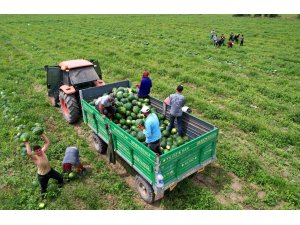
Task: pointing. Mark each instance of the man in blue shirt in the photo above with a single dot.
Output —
(151, 130)
(145, 86)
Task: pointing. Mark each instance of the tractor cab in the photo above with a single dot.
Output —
(65, 80)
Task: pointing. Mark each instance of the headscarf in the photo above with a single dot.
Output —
(146, 74)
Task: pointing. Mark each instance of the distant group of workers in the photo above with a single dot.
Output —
(233, 38)
(151, 128)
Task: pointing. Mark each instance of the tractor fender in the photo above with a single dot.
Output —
(99, 83)
(67, 89)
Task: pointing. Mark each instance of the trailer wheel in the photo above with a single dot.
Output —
(144, 189)
(70, 107)
(99, 144)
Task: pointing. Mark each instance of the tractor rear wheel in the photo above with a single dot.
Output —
(70, 107)
(144, 189)
(99, 144)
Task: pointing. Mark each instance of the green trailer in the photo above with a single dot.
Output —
(175, 165)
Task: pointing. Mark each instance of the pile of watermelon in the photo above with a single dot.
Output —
(128, 117)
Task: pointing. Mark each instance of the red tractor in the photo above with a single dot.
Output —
(65, 80)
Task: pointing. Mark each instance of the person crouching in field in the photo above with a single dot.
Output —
(40, 159)
(71, 160)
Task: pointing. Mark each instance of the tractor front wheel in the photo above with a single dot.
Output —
(70, 107)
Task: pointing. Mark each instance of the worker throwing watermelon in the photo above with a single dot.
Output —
(40, 159)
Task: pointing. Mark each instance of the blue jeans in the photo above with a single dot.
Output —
(179, 124)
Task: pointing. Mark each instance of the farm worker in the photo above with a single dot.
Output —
(71, 159)
(145, 86)
(105, 105)
(151, 130)
(177, 101)
(231, 36)
(215, 38)
(242, 40)
(230, 44)
(212, 33)
(40, 159)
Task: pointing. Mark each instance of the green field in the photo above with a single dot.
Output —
(251, 93)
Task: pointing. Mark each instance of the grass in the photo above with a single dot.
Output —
(251, 93)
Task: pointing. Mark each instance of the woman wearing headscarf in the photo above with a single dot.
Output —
(145, 86)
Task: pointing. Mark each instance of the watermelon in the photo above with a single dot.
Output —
(131, 98)
(140, 136)
(153, 110)
(128, 122)
(166, 133)
(122, 121)
(129, 118)
(42, 205)
(163, 144)
(119, 104)
(114, 90)
(133, 133)
(139, 122)
(180, 141)
(24, 137)
(173, 131)
(121, 110)
(133, 115)
(134, 102)
(136, 109)
(72, 175)
(38, 131)
(118, 116)
(128, 106)
(166, 122)
(127, 113)
(186, 138)
(160, 116)
(125, 95)
(119, 95)
(124, 100)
